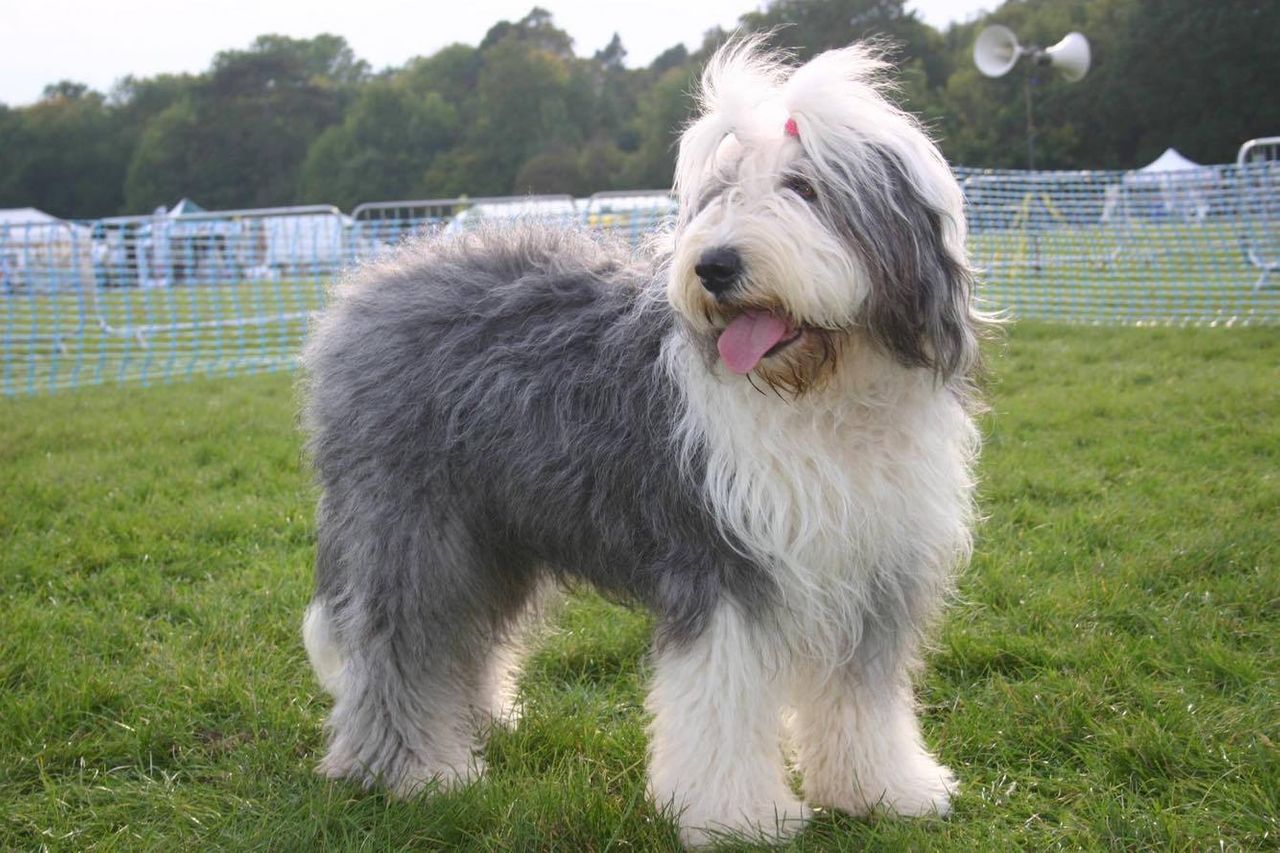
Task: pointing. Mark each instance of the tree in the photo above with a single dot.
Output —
(65, 90)
(168, 161)
(383, 149)
(1208, 100)
(663, 112)
(807, 28)
(452, 71)
(15, 148)
(65, 154)
(537, 30)
(672, 57)
(521, 108)
(554, 171)
(289, 119)
(612, 55)
(239, 138)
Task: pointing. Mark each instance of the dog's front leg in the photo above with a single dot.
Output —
(715, 756)
(859, 740)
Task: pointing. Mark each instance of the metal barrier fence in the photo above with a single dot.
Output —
(1256, 163)
(154, 298)
(381, 224)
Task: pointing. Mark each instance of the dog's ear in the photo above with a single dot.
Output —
(919, 308)
(896, 200)
(922, 308)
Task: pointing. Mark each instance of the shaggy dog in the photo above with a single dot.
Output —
(760, 433)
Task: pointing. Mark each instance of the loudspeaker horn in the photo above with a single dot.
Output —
(997, 50)
(1069, 57)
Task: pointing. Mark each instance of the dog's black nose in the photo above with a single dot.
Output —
(719, 269)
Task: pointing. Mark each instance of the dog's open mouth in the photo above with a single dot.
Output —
(754, 336)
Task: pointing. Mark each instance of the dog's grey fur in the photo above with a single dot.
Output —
(920, 308)
(491, 410)
(484, 411)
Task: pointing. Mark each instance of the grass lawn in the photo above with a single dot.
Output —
(1108, 678)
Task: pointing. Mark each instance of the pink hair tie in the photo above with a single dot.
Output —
(790, 128)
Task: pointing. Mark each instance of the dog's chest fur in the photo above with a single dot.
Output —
(848, 498)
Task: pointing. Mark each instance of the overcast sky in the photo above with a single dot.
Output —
(97, 42)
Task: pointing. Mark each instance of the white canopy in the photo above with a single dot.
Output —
(1171, 185)
(1170, 161)
(185, 207)
(41, 252)
(28, 225)
(25, 216)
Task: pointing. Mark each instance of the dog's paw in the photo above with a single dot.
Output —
(922, 788)
(420, 779)
(926, 793)
(770, 822)
(404, 779)
(505, 713)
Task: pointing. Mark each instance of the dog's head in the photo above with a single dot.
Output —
(814, 211)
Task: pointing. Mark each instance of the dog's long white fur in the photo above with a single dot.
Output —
(844, 492)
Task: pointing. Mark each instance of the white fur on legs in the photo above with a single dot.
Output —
(715, 755)
(501, 689)
(859, 746)
(322, 648)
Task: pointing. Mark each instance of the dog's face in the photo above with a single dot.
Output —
(813, 211)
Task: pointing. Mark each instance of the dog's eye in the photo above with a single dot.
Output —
(800, 187)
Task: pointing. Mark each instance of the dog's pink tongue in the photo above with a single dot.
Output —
(745, 340)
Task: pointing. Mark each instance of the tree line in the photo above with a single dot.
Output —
(290, 121)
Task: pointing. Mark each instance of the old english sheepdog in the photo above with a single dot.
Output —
(759, 428)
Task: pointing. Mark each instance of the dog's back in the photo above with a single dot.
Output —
(509, 385)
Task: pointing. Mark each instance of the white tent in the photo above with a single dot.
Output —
(185, 207)
(1170, 186)
(42, 252)
(1171, 161)
(23, 223)
(23, 215)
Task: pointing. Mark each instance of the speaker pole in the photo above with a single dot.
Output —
(1032, 80)
(996, 51)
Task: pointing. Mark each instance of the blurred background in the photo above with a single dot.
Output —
(127, 117)
(180, 184)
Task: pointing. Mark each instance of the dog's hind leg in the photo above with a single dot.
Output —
(499, 694)
(417, 613)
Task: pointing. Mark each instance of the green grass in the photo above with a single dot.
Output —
(1108, 678)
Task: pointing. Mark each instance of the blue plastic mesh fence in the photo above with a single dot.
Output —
(164, 297)
(1194, 247)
